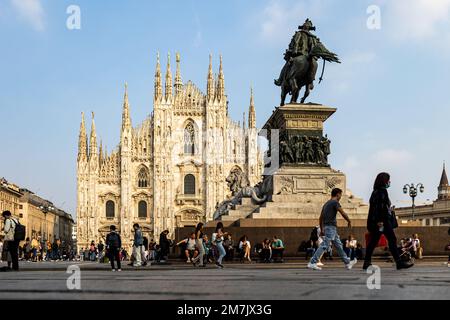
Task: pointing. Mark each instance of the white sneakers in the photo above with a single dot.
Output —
(316, 266)
(313, 266)
(350, 265)
(188, 261)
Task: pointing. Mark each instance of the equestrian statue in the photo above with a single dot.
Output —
(301, 63)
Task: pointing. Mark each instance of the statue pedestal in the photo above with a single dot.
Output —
(296, 118)
(299, 179)
(302, 183)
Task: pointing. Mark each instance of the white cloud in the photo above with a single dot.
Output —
(278, 18)
(31, 11)
(417, 20)
(351, 162)
(392, 158)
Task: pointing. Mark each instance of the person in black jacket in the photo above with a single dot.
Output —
(164, 245)
(381, 220)
(113, 245)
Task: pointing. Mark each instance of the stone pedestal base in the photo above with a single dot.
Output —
(300, 192)
(300, 179)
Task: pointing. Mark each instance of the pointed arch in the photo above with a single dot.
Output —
(143, 177)
(190, 140)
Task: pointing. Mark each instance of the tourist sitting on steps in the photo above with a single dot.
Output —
(190, 250)
(277, 249)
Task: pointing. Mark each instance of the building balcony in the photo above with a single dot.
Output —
(195, 199)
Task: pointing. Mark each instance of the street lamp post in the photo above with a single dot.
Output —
(45, 210)
(413, 193)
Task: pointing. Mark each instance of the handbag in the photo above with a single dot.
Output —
(393, 219)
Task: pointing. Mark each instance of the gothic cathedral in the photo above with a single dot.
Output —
(170, 171)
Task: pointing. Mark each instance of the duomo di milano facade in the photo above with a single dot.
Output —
(169, 171)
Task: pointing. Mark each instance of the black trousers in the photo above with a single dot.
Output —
(375, 237)
(114, 255)
(265, 254)
(13, 249)
(277, 252)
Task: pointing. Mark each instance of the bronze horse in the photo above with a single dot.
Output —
(302, 73)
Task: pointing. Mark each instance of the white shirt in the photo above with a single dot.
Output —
(9, 228)
(352, 243)
(214, 238)
(190, 244)
(241, 244)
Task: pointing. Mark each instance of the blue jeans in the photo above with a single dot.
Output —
(350, 252)
(222, 252)
(331, 236)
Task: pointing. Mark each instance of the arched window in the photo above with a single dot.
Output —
(142, 209)
(143, 178)
(189, 184)
(189, 139)
(110, 209)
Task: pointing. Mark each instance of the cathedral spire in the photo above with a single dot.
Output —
(82, 140)
(168, 91)
(210, 80)
(444, 179)
(100, 153)
(443, 188)
(221, 82)
(251, 112)
(126, 120)
(158, 84)
(178, 80)
(93, 140)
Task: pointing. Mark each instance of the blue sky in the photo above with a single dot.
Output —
(391, 89)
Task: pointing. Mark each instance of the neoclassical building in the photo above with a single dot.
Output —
(169, 171)
(434, 214)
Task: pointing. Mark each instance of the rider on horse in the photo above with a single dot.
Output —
(301, 63)
(301, 44)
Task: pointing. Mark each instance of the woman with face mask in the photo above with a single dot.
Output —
(381, 220)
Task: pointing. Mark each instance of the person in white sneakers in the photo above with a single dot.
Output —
(328, 227)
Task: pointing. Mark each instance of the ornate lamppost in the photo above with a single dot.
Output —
(45, 209)
(413, 193)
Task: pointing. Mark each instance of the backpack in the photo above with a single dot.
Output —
(113, 240)
(19, 231)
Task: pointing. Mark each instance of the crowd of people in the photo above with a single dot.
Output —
(199, 249)
(37, 250)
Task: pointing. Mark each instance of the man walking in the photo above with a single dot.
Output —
(328, 226)
(113, 245)
(137, 245)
